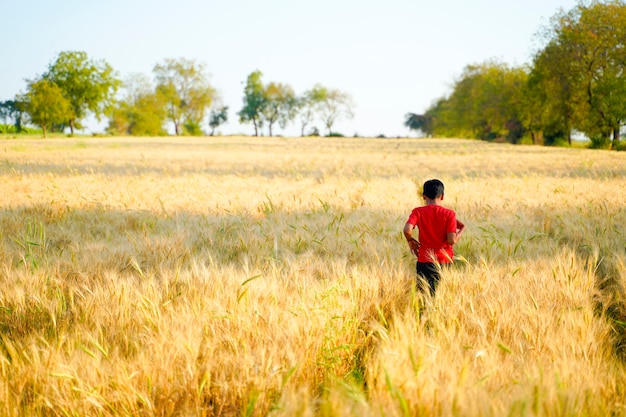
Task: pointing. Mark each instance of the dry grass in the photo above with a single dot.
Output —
(268, 276)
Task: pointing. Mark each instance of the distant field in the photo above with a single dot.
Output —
(269, 276)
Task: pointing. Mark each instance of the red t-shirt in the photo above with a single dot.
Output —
(434, 222)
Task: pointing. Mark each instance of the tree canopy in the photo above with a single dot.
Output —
(180, 93)
(419, 122)
(280, 105)
(12, 115)
(186, 90)
(576, 82)
(45, 104)
(253, 101)
(88, 85)
(217, 117)
(333, 105)
(141, 112)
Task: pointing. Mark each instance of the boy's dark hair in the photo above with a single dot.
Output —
(433, 189)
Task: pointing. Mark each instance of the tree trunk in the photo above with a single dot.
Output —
(256, 129)
(569, 136)
(616, 138)
(72, 127)
(43, 127)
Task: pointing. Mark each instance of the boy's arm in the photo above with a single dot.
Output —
(454, 237)
(460, 228)
(408, 234)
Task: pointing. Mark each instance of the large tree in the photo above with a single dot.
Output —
(280, 105)
(254, 101)
(553, 94)
(584, 68)
(486, 103)
(45, 104)
(186, 91)
(88, 85)
(597, 34)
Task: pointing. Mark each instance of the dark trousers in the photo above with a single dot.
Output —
(430, 273)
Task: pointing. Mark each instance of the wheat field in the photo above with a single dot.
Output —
(269, 276)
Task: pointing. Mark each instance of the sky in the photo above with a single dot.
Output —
(392, 57)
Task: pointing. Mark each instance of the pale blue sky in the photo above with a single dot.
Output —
(392, 56)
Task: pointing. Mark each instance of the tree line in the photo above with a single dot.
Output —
(180, 94)
(576, 83)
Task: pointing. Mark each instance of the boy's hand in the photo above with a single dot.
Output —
(460, 228)
(414, 245)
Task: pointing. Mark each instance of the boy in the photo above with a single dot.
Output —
(438, 230)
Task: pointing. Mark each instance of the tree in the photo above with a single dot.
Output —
(333, 105)
(141, 112)
(419, 122)
(440, 115)
(45, 104)
(254, 101)
(597, 34)
(486, 103)
(280, 105)
(553, 94)
(308, 106)
(88, 85)
(186, 91)
(217, 117)
(12, 112)
(588, 49)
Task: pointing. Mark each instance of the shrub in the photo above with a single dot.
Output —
(599, 142)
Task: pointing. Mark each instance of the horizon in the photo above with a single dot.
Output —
(357, 47)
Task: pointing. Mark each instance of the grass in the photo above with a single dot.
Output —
(269, 276)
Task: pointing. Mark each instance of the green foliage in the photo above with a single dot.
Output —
(576, 82)
(419, 122)
(141, 112)
(45, 104)
(280, 105)
(580, 73)
(147, 116)
(186, 91)
(593, 38)
(550, 98)
(332, 105)
(88, 85)
(34, 246)
(192, 128)
(254, 101)
(307, 105)
(12, 112)
(486, 103)
(599, 142)
(11, 130)
(4, 128)
(217, 117)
